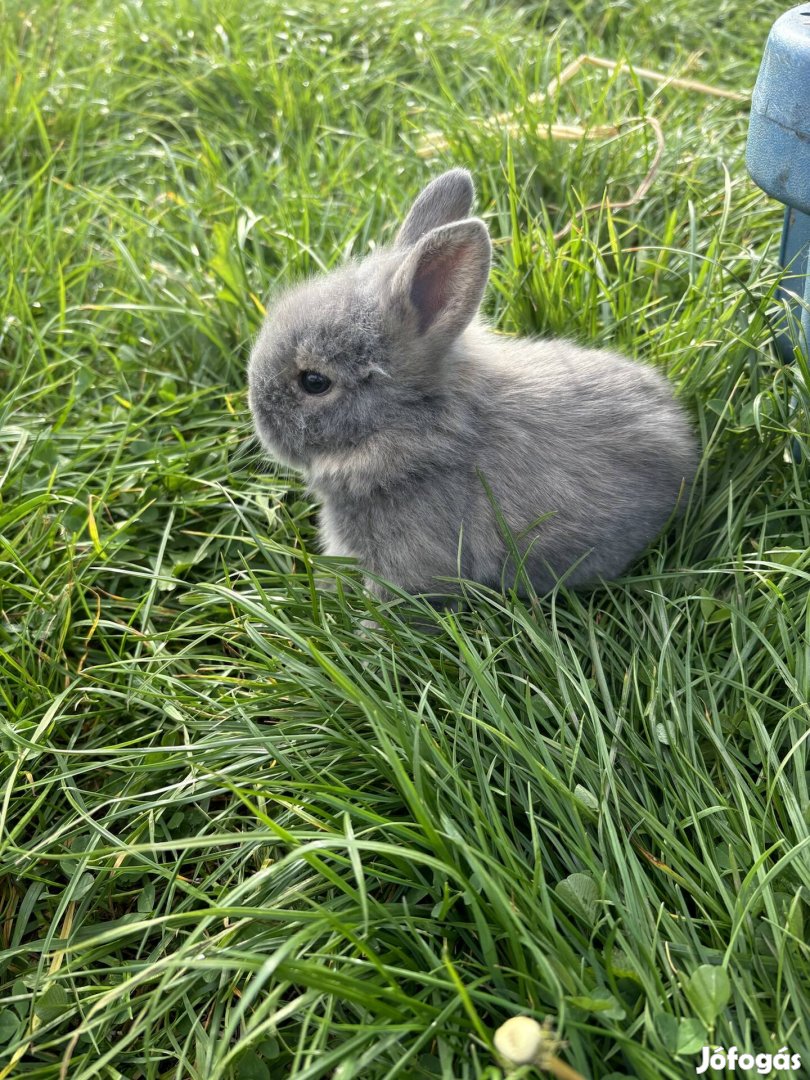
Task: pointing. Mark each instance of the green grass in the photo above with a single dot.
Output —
(242, 835)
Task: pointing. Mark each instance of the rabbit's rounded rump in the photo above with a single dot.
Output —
(438, 448)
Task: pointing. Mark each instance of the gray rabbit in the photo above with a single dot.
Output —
(439, 449)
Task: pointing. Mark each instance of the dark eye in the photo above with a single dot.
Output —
(314, 383)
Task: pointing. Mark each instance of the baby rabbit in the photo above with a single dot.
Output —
(423, 434)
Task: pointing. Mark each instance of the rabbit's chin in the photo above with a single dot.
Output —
(283, 455)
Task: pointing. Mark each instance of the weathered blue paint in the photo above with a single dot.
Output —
(794, 255)
(778, 153)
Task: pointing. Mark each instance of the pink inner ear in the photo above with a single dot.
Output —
(436, 282)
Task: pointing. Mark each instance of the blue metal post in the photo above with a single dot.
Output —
(778, 154)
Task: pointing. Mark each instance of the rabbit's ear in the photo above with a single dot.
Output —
(443, 277)
(445, 199)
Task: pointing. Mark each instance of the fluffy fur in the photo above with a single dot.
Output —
(430, 419)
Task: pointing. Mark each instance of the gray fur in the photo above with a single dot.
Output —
(446, 199)
(585, 453)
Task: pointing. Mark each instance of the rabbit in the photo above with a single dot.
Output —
(441, 450)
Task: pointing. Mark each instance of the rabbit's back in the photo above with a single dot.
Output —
(590, 438)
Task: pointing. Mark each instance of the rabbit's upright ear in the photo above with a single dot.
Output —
(447, 198)
(442, 278)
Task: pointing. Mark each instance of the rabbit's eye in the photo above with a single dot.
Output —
(313, 382)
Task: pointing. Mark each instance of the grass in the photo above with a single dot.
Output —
(242, 836)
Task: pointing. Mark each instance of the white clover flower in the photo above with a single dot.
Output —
(520, 1040)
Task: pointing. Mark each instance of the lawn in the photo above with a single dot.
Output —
(253, 827)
